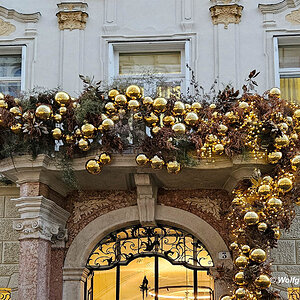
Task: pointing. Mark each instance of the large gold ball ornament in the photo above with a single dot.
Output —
(274, 203)
(246, 249)
(234, 246)
(213, 106)
(168, 120)
(196, 106)
(187, 107)
(110, 108)
(222, 129)
(62, 98)
(152, 119)
(282, 141)
(87, 130)
(62, 110)
(121, 100)
(104, 158)
(294, 137)
(43, 112)
(112, 94)
(133, 92)
(93, 167)
(251, 218)
(297, 114)
(241, 261)
(156, 163)
(173, 167)
(107, 124)
(275, 93)
(239, 278)
(84, 145)
(69, 139)
(138, 116)
(262, 227)
(285, 184)
(243, 105)
(264, 190)
(133, 104)
(258, 255)
(160, 104)
(262, 282)
(147, 101)
(241, 293)
(274, 157)
(219, 149)
(16, 128)
(16, 111)
(283, 126)
(58, 118)
(178, 108)
(3, 104)
(191, 119)
(179, 128)
(56, 133)
(141, 159)
(295, 161)
(225, 297)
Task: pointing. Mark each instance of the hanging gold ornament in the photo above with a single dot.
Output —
(78, 132)
(274, 203)
(178, 108)
(58, 118)
(241, 293)
(294, 137)
(222, 129)
(225, 297)
(258, 255)
(241, 261)
(121, 100)
(104, 158)
(112, 94)
(141, 159)
(3, 104)
(147, 101)
(152, 119)
(275, 93)
(295, 161)
(16, 111)
(168, 120)
(179, 128)
(62, 98)
(43, 112)
(277, 233)
(234, 246)
(115, 118)
(285, 184)
(75, 105)
(245, 249)
(160, 104)
(213, 106)
(297, 114)
(133, 104)
(62, 110)
(274, 157)
(93, 167)
(156, 129)
(219, 149)
(173, 167)
(187, 107)
(262, 282)
(56, 133)
(264, 190)
(138, 116)
(69, 139)
(88, 130)
(107, 124)
(191, 119)
(262, 227)
(110, 108)
(282, 141)
(243, 105)
(16, 128)
(84, 145)
(283, 127)
(251, 218)
(231, 116)
(239, 278)
(156, 163)
(196, 106)
(133, 92)
(121, 112)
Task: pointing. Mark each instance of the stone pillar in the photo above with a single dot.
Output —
(42, 224)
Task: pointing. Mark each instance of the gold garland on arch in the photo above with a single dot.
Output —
(265, 126)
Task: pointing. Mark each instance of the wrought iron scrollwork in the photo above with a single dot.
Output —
(124, 245)
(5, 294)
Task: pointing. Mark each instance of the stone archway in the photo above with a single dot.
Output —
(77, 255)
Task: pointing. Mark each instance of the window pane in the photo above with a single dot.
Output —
(289, 57)
(205, 285)
(158, 63)
(104, 285)
(290, 89)
(10, 65)
(10, 88)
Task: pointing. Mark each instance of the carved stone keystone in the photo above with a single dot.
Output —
(226, 14)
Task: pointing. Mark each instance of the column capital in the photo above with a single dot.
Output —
(41, 218)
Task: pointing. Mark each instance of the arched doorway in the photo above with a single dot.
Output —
(149, 262)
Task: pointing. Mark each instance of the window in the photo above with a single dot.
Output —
(164, 63)
(11, 70)
(288, 63)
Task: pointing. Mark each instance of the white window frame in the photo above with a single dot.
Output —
(15, 50)
(183, 46)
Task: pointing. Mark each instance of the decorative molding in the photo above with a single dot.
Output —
(278, 7)
(226, 14)
(293, 17)
(41, 218)
(6, 28)
(72, 6)
(187, 22)
(20, 17)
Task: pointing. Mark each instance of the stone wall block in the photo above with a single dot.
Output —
(7, 233)
(4, 280)
(8, 270)
(11, 210)
(2, 199)
(298, 251)
(293, 232)
(290, 270)
(14, 280)
(11, 252)
(285, 254)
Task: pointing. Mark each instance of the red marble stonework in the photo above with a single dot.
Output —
(56, 276)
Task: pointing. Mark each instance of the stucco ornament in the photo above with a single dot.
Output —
(72, 20)
(205, 204)
(226, 14)
(294, 17)
(6, 28)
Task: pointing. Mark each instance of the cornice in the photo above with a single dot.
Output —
(278, 7)
(20, 17)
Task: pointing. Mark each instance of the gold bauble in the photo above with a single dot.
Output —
(110, 108)
(222, 129)
(160, 104)
(58, 118)
(16, 111)
(274, 203)
(283, 126)
(262, 282)
(285, 184)
(187, 107)
(107, 124)
(297, 129)
(178, 108)
(69, 139)
(115, 118)
(297, 114)
(168, 120)
(16, 128)
(56, 133)
(62, 98)
(147, 101)
(264, 190)
(141, 159)
(258, 255)
(241, 261)
(133, 104)
(191, 119)
(138, 116)
(225, 297)
(243, 105)
(211, 138)
(267, 179)
(43, 112)
(156, 163)
(87, 130)
(295, 161)
(173, 167)
(277, 233)
(121, 100)
(1, 96)
(213, 106)
(179, 128)
(196, 106)
(62, 110)
(112, 94)
(231, 116)
(234, 246)
(3, 104)
(93, 167)
(133, 92)
(84, 145)
(251, 218)
(274, 157)
(239, 278)
(245, 249)
(152, 119)
(75, 105)
(241, 293)
(282, 141)
(275, 93)
(156, 129)
(294, 137)
(262, 227)
(104, 158)
(78, 132)
(219, 149)
(121, 112)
